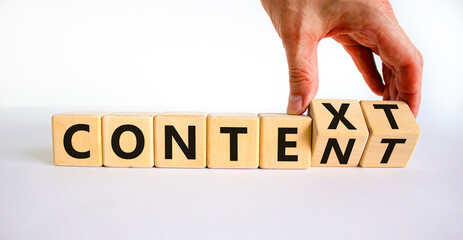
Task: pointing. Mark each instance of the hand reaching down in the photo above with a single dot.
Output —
(363, 27)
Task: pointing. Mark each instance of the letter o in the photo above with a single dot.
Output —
(115, 143)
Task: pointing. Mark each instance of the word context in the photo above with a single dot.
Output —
(335, 133)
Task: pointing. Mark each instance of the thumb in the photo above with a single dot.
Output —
(303, 76)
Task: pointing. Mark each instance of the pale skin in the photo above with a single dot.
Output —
(364, 28)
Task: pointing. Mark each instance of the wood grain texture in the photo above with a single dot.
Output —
(221, 127)
(285, 141)
(83, 140)
(125, 125)
(183, 124)
(337, 143)
(400, 134)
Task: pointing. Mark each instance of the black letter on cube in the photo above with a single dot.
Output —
(387, 110)
(233, 131)
(339, 116)
(171, 132)
(115, 141)
(67, 141)
(283, 144)
(333, 143)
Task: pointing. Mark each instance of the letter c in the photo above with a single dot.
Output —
(67, 141)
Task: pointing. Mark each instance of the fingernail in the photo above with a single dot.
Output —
(294, 104)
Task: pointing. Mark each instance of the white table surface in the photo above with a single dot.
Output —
(39, 200)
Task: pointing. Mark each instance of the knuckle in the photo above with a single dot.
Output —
(299, 76)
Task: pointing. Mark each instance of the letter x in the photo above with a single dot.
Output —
(339, 116)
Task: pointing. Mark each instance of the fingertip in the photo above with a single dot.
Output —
(414, 108)
(375, 84)
(413, 101)
(378, 90)
(303, 87)
(415, 112)
(296, 105)
(303, 75)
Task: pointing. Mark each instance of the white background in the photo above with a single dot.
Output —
(208, 56)
(195, 55)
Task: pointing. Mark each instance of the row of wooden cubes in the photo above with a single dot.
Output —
(336, 133)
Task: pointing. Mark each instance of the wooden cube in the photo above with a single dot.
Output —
(180, 140)
(394, 134)
(77, 138)
(285, 141)
(232, 140)
(339, 132)
(128, 140)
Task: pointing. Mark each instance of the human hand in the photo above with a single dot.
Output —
(363, 27)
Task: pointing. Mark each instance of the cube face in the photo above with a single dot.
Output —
(394, 134)
(285, 141)
(77, 139)
(339, 133)
(233, 140)
(128, 140)
(180, 140)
